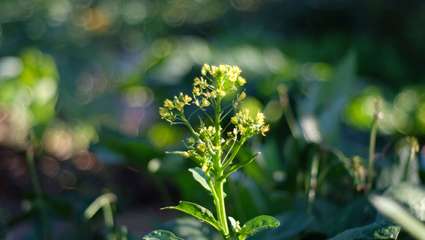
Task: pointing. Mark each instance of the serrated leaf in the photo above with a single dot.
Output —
(161, 235)
(200, 177)
(258, 224)
(196, 211)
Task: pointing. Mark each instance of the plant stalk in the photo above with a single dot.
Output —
(108, 216)
(40, 205)
(221, 207)
(313, 182)
(372, 149)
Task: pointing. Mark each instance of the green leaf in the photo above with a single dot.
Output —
(399, 215)
(258, 224)
(197, 211)
(409, 195)
(161, 235)
(188, 227)
(235, 224)
(373, 231)
(200, 177)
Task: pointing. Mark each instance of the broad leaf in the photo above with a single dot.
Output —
(161, 235)
(374, 231)
(410, 196)
(399, 215)
(200, 177)
(196, 211)
(258, 224)
(188, 227)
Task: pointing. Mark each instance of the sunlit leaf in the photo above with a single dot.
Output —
(196, 211)
(200, 177)
(258, 224)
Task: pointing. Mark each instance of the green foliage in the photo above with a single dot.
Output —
(256, 225)
(197, 211)
(161, 235)
(373, 231)
(200, 177)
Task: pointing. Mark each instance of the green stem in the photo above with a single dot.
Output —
(221, 207)
(188, 125)
(40, 205)
(410, 159)
(313, 180)
(235, 152)
(372, 149)
(288, 113)
(109, 220)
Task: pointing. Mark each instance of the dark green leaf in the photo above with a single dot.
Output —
(399, 215)
(196, 211)
(161, 235)
(191, 228)
(376, 230)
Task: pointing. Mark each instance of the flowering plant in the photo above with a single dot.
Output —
(214, 145)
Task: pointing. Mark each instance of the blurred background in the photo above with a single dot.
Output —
(81, 82)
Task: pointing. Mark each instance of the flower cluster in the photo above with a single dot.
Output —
(214, 144)
(247, 125)
(216, 81)
(202, 149)
(171, 110)
(225, 75)
(209, 89)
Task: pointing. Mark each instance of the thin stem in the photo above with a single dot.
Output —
(289, 116)
(313, 180)
(229, 151)
(217, 140)
(41, 207)
(411, 157)
(108, 216)
(235, 152)
(227, 113)
(372, 149)
(188, 125)
(217, 121)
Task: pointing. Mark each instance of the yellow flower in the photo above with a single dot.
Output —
(186, 99)
(167, 114)
(264, 129)
(205, 69)
(221, 80)
(241, 81)
(205, 103)
(202, 147)
(248, 125)
(196, 91)
(168, 104)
